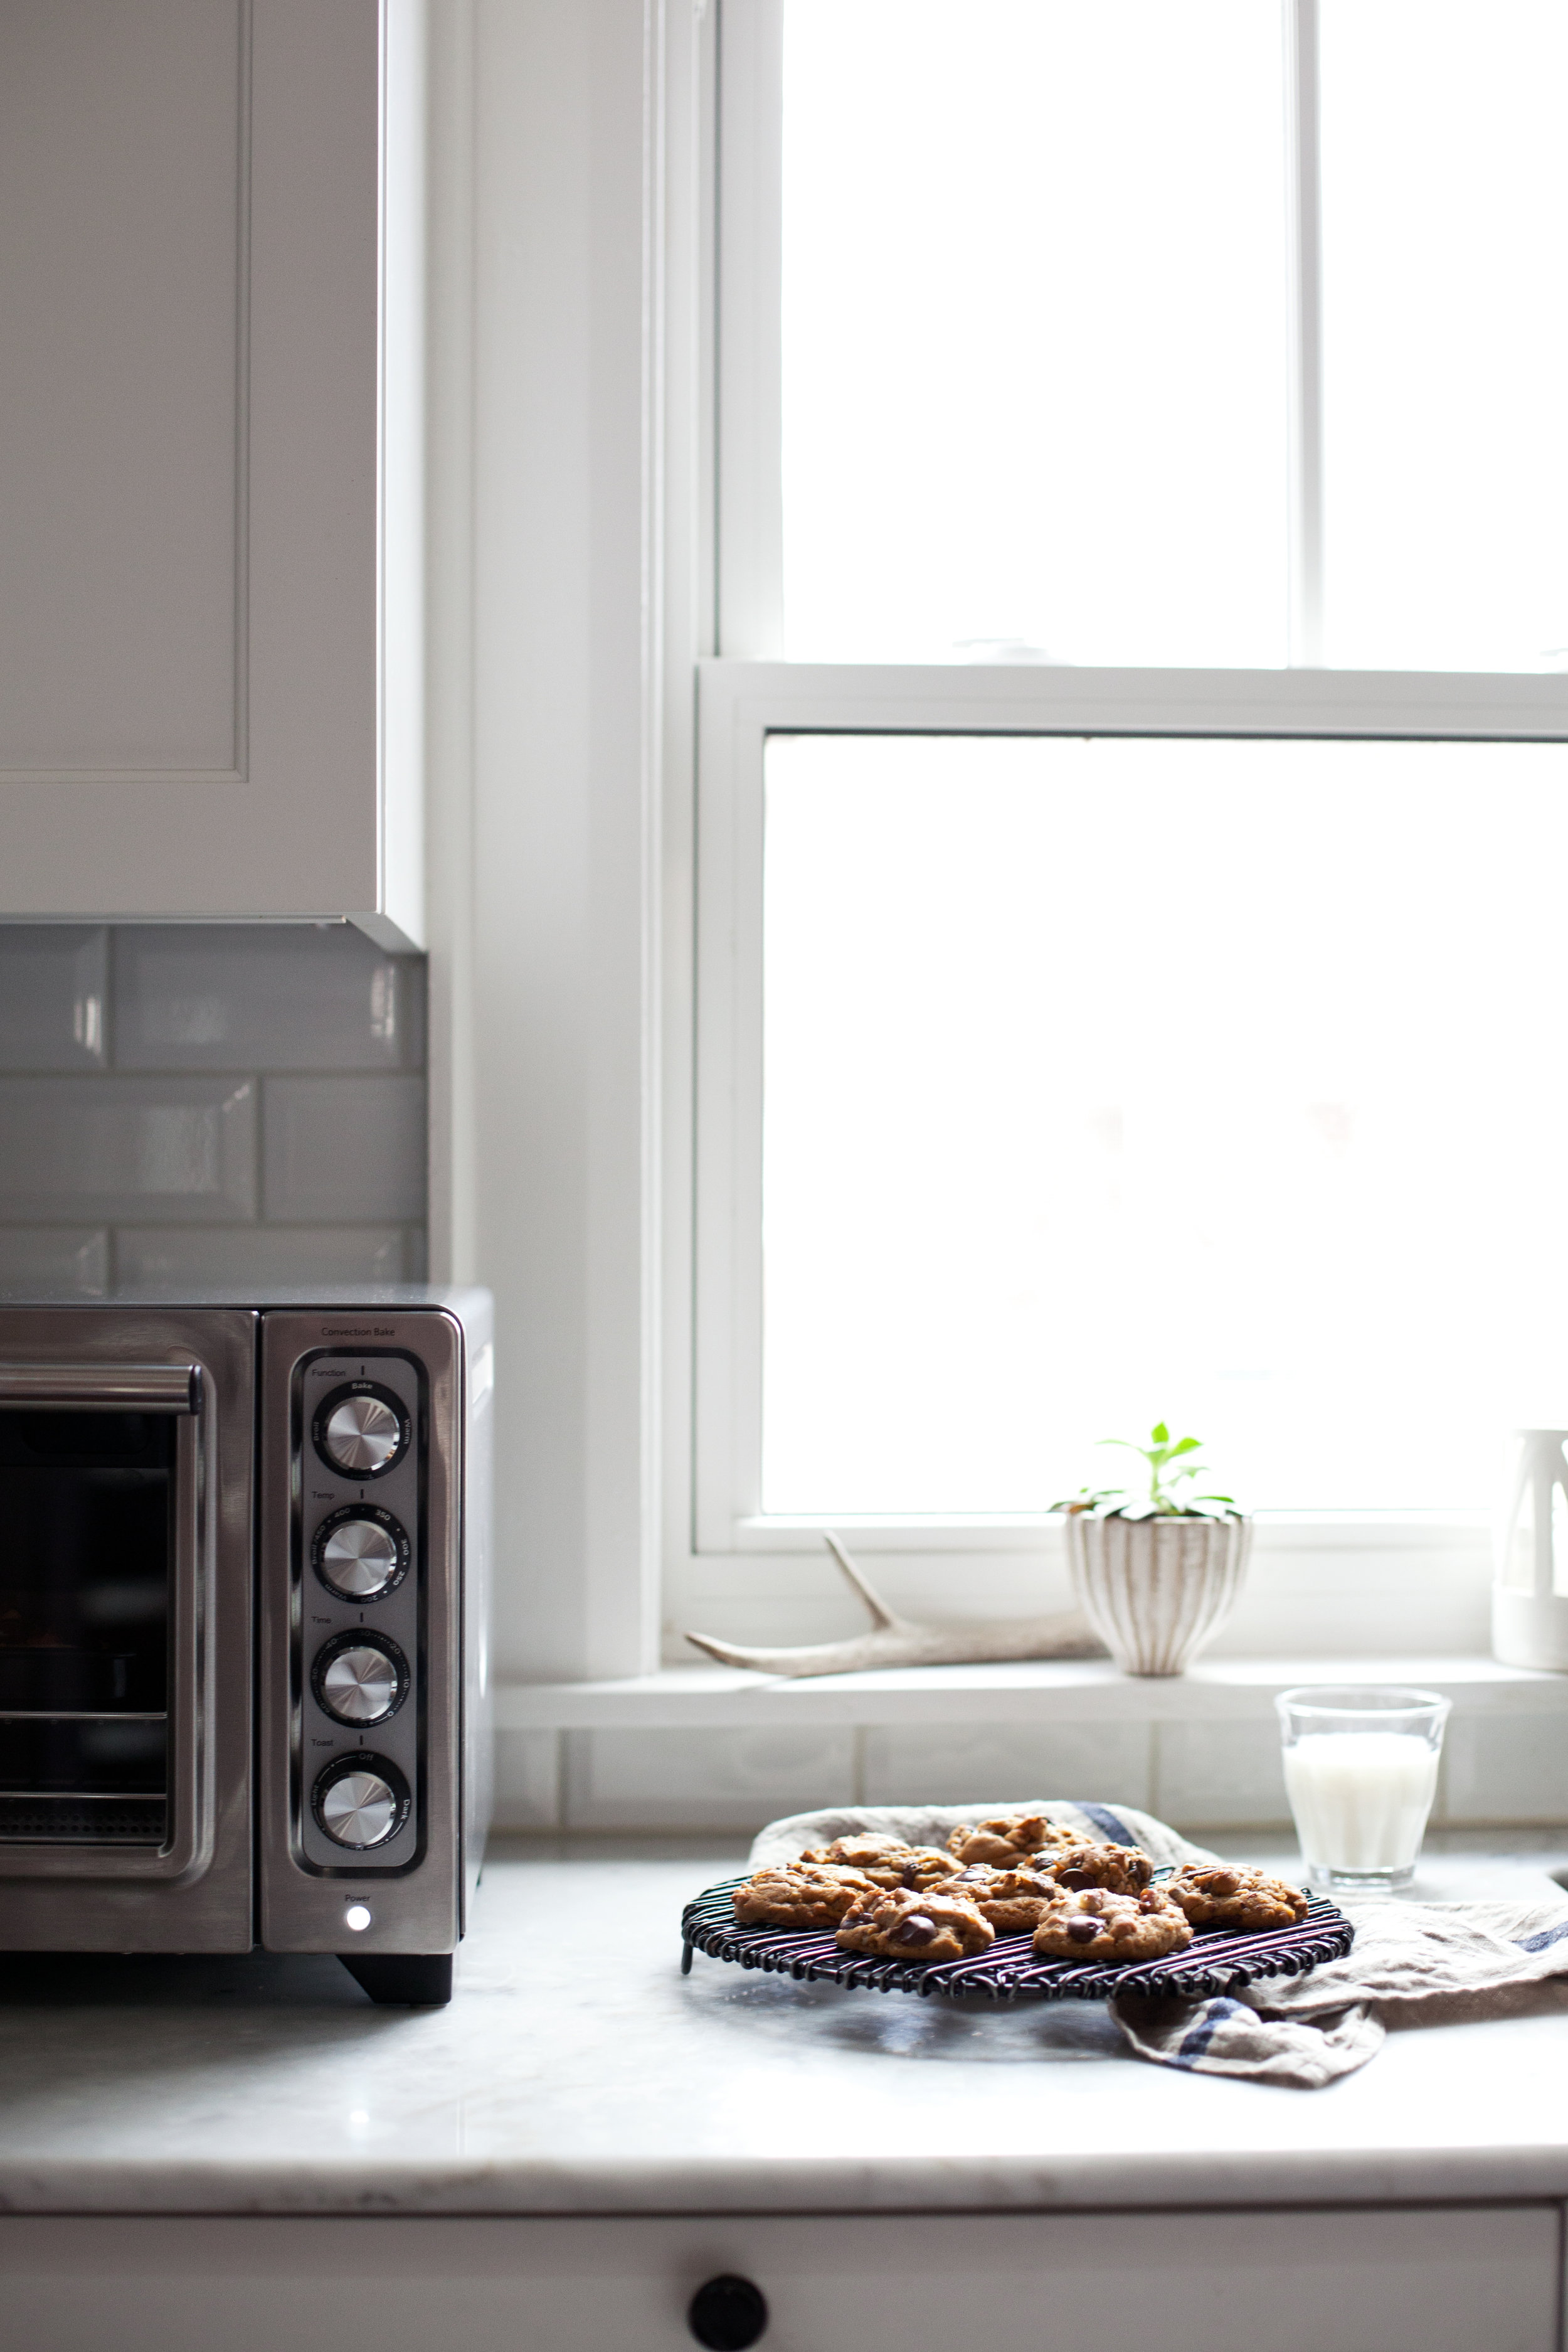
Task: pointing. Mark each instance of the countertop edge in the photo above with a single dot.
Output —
(1113, 2183)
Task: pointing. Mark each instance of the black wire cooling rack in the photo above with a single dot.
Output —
(1214, 1962)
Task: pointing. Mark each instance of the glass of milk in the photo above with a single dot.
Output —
(1360, 1771)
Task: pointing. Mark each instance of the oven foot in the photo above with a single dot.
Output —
(413, 1980)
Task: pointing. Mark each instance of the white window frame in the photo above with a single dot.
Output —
(745, 693)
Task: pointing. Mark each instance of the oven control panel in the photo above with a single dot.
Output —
(361, 1589)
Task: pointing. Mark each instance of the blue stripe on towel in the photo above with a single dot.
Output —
(1212, 2017)
(1107, 1821)
(1538, 1943)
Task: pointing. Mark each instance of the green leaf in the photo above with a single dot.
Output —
(1169, 1468)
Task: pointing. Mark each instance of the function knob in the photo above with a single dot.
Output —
(361, 1801)
(360, 1679)
(359, 1552)
(361, 1431)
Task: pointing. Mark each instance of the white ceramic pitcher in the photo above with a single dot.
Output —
(1530, 1579)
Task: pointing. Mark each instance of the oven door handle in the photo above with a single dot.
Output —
(103, 1388)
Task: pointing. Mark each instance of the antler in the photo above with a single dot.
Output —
(897, 1641)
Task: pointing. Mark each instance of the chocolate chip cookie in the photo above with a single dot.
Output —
(1119, 1868)
(1233, 1894)
(902, 1925)
(1012, 1900)
(1005, 1840)
(1092, 1923)
(885, 1861)
(797, 1894)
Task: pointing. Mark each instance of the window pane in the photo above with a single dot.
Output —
(1113, 1080)
(1445, 332)
(1034, 332)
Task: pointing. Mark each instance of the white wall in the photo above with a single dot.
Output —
(539, 1189)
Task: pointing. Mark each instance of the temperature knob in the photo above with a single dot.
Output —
(362, 1431)
(361, 1801)
(360, 1679)
(360, 1552)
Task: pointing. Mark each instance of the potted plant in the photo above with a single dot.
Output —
(1156, 1567)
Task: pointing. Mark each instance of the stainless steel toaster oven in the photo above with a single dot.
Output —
(243, 1589)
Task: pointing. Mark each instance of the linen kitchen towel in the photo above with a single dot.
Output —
(1412, 1964)
(930, 1825)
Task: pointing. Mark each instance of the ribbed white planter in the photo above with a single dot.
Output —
(1156, 1591)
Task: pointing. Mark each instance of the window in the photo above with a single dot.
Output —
(1132, 786)
(1141, 334)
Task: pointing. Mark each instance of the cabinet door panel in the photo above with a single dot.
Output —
(1400, 2280)
(198, 254)
(120, 163)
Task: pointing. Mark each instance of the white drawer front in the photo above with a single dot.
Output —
(1402, 2280)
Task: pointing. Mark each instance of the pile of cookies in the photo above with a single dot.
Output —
(1018, 1876)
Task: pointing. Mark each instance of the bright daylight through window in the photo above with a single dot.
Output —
(1039, 284)
(1109, 1077)
(1114, 1078)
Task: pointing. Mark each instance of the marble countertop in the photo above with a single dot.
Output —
(577, 2071)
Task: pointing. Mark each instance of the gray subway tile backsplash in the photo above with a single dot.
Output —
(158, 1257)
(246, 996)
(235, 1103)
(54, 995)
(131, 1151)
(342, 1147)
(63, 1258)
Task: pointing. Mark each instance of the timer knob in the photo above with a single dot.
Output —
(359, 1553)
(360, 1679)
(361, 1431)
(361, 1801)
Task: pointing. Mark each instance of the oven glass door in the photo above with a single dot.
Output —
(86, 1505)
(97, 1531)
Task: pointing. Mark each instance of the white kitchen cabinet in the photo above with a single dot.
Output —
(211, 429)
(1434, 2279)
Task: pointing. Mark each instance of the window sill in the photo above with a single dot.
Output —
(1072, 1690)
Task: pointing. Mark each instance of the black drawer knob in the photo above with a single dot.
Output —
(727, 2314)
